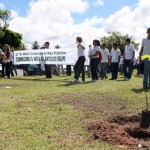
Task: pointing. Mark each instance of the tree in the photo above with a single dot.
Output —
(57, 46)
(11, 38)
(7, 36)
(35, 45)
(5, 17)
(119, 39)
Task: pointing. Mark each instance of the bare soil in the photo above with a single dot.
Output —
(122, 131)
(117, 126)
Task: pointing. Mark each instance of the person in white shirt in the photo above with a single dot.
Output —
(121, 65)
(128, 59)
(6, 62)
(48, 67)
(79, 66)
(1, 54)
(94, 59)
(11, 63)
(114, 61)
(104, 62)
(145, 51)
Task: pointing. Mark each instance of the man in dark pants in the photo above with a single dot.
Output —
(47, 66)
(128, 59)
(68, 67)
(114, 61)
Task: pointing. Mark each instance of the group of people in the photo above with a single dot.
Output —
(100, 57)
(7, 59)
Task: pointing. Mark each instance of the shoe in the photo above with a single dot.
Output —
(92, 80)
(82, 82)
(126, 79)
(145, 87)
(112, 79)
(75, 81)
(102, 78)
(106, 77)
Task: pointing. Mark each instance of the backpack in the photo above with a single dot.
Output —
(100, 56)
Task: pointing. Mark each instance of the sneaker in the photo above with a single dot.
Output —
(112, 79)
(93, 80)
(126, 79)
(145, 87)
(82, 82)
(75, 81)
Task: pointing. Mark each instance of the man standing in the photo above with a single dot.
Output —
(145, 51)
(128, 59)
(104, 62)
(114, 61)
(47, 66)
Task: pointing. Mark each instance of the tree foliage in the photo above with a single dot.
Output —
(11, 38)
(116, 37)
(57, 47)
(7, 36)
(35, 45)
(5, 17)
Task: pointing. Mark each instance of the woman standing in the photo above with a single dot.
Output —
(79, 66)
(94, 59)
(6, 61)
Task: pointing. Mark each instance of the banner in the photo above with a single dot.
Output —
(63, 56)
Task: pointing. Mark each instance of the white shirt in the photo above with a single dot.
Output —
(138, 60)
(129, 49)
(134, 61)
(146, 45)
(80, 50)
(1, 52)
(115, 54)
(94, 50)
(11, 56)
(105, 54)
(121, 61)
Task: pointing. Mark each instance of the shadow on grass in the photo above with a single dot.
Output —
(71, 84)
(140, 90)
(40, 79)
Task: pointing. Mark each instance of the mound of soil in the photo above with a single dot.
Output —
(122, 131)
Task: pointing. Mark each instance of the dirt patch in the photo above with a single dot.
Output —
(122, 131)
(104, 105)
(9, 85)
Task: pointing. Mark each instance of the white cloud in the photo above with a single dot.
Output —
(51, 20)
(99, 3)
(2, 6)
(132, 22)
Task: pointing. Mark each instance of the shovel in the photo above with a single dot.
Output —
(145, 118)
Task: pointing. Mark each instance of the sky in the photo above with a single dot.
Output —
(61, 21)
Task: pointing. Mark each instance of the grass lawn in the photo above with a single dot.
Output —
(51, 114)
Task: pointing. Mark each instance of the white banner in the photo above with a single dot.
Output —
(63, 56)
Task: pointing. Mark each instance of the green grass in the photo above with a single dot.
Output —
(35, 113)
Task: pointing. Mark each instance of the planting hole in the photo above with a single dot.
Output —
(138, 133)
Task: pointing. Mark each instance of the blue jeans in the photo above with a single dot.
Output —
(127, 63)
(146, 80)
(114, 70)
(48, 71)
(93, 66)
(79, 67)
(104, 69)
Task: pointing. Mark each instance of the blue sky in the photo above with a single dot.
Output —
(60, 20)
(104, 11)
